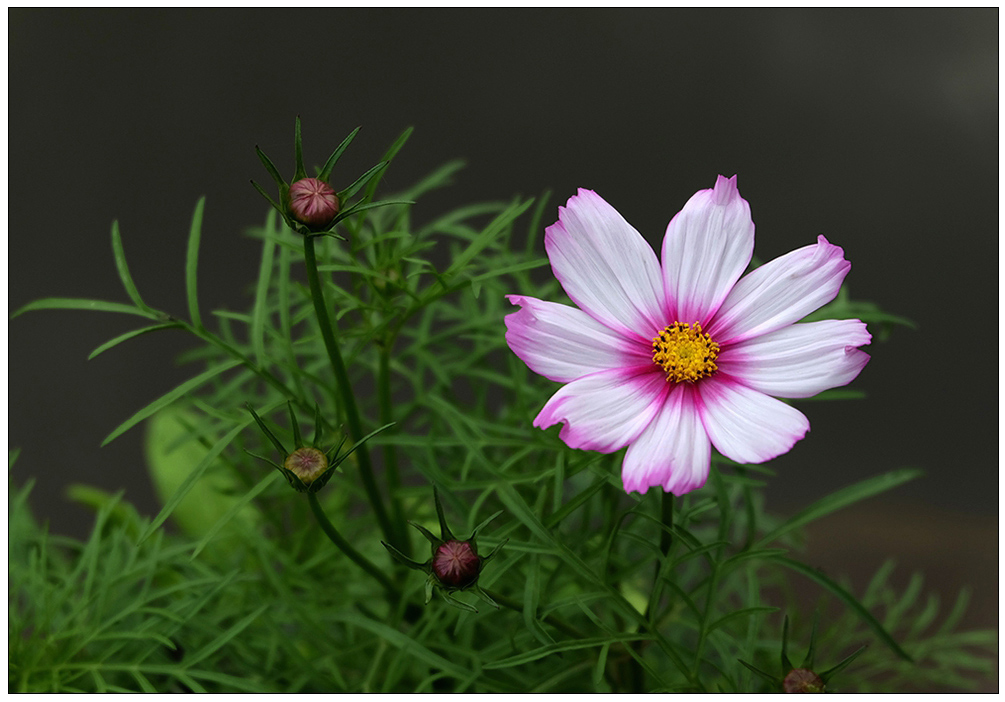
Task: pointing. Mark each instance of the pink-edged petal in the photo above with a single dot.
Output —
(606, 410)
(606, 267)
(707, 246)
(673, 451)
(780, 292)
(563, 343)
(799, 360)
(746, 425)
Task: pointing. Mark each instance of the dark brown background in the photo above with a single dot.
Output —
(875, 128)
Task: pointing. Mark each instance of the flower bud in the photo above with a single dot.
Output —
(307, 463)
(456, 564)
(313, 202)
(801, 680)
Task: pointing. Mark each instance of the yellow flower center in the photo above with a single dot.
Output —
(685, 352)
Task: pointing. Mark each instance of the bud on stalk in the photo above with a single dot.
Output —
(455, 564)
(313, 202)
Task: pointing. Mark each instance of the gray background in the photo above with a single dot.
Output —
(875, 128)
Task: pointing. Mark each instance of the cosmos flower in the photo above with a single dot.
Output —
(671, 360)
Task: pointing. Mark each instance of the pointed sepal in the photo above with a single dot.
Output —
(361, 442)
(319, 427)
(483, 524)
(445, 532)
(786, 663)
(776, 682)
(272, 437)
(271, 168)
(329, 166)
(484, 596)
(405, 560)
(811, 653)
(295, 425)
(454, 602)
(433, 539)
(298, 153)
(828, 674)
(489, 557)
(358, 184)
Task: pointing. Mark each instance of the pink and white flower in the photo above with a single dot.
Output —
(671, 360)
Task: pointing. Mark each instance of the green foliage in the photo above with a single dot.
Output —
(599, 591)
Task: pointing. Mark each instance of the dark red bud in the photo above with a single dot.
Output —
(802, 680)
(313, 202)
(456, 564)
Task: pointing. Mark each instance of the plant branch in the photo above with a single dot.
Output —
(344, 546)
(345, 390)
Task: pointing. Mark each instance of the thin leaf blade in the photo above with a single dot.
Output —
(78, 303)
(123, 268)
(329, 166)
(130, 335)
(192, 264)
(169, 397)
(849, 600)
(192, 478)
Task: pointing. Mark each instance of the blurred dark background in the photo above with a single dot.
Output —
(875, 128)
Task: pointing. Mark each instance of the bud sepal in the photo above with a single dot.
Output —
(802, 679)
(309, 205)
(455, 564)
(307, 468)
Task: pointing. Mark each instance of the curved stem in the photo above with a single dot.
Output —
(345, 390)
(390, 454)
(343, 545)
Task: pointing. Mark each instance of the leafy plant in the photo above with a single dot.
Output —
(400, 326)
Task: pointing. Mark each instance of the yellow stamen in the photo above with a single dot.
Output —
(685, 352)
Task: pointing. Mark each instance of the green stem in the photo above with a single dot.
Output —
(666, 541)
(343, 545)
(390, 454)
(666, 509)
(345, 390)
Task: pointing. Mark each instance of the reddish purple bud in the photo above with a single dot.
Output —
(802, 680)
(307, 464)
(313, 202)
(456, 564)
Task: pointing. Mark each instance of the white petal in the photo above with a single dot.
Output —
(606, 267)
(780, 292)
(563, 343)
(673, 451)
(746, 425)
(707, 247)
(607, 410)
(799, 360)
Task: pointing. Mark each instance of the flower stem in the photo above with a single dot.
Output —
(390, 455)
(666, 509)
(343, 545)
(345, 389)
